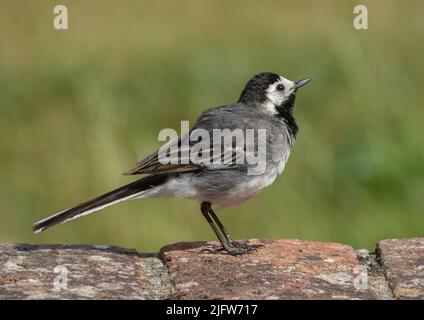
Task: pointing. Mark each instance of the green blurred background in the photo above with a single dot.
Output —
(81, 106)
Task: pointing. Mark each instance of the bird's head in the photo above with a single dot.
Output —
(272, 92)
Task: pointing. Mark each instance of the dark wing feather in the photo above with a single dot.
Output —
(152, 165)
(224, 117)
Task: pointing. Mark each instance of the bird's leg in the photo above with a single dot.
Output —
(237, 248)
(220, 225)
(204, 207)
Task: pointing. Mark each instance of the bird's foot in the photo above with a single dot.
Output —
(245, 246)
(234, 248)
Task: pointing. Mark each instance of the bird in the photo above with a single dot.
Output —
(266, 103)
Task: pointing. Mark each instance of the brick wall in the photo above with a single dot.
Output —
(281, 269)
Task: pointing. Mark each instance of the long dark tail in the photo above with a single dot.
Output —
(123, 193)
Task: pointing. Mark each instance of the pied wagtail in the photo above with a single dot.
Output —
(266, 102)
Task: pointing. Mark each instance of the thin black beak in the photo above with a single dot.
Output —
(301, 83)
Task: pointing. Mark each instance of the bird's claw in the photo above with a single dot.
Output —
(234, 248)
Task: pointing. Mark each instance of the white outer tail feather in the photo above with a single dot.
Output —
(84, 213)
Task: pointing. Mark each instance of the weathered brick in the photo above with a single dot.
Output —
(403, 261)
(281, 269)
(94, 272)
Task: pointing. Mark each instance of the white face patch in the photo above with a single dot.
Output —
(276, 96)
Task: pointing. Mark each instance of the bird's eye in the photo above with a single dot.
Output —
(280, 87)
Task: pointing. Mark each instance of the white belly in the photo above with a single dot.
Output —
(247, 190)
